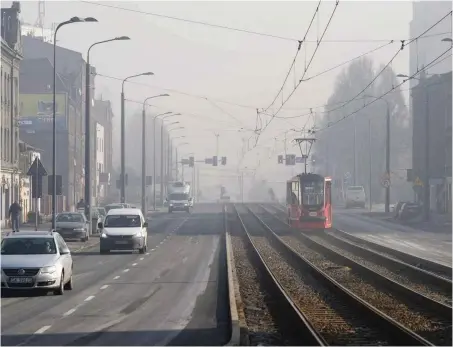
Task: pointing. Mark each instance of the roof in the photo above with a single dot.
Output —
(124, 211)
(30, 233)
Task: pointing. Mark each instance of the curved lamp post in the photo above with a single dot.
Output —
(54, 130)
(176, 151)
(123, 136)
(88, 184)
(144, 209)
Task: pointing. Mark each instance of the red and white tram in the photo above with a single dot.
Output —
(309, 202)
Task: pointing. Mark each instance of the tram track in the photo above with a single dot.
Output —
(420, 304)
(339, 316)
(269, 315)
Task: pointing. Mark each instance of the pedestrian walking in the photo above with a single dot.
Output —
(14, 213)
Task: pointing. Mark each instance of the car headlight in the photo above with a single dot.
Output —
(48, 269)
(171, 204)
(185, 204)
(138, 234)
(104, 235)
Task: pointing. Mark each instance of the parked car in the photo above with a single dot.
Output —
(73, 225)
(36, 260)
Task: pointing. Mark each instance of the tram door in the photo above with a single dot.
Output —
(328, 203)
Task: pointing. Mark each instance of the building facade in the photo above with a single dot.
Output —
(11, 56)
(432, 98)
(100, 164)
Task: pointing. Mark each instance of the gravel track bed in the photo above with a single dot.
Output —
(389, 255)
(427, 327)
(429, 290)
(333, 319)
(262, 329)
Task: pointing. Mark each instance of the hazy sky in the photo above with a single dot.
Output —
(223, 64)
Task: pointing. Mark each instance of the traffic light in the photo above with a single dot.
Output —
(290, 159)
(280, 159)
(214, 160)
(191, 161)
(224, 160)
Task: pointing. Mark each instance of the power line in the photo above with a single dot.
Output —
(356, 97)
(308, 65)
(300, 43)
(251, 32)
(430, 64)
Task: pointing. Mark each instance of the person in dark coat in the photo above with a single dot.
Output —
(81, 204)
(14, 213)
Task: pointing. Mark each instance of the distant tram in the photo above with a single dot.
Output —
(309, 202)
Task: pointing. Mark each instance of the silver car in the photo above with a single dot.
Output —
(73, 225)
(36, 260)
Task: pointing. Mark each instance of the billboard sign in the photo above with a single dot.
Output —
(36, 112)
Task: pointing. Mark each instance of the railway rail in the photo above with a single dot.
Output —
(332, 314)
(421, 304)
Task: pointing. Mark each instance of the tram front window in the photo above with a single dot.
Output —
(313, 193)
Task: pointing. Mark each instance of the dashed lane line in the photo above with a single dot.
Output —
(134, 264)
(71, 311)
(116, 277)
(104, 287)
(43, 329)
(91, 297)
(125, 270)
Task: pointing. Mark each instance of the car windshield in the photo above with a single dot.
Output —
(313, 193)
(179, 196)
(70, 217)
(112, 207)
(28, 246)
(122, 221)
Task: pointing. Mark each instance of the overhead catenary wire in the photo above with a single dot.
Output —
(224, 27)
(308, 65)
(430, 64)
(357, 96)
(300, 43)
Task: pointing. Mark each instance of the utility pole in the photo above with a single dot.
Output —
(169, 150)
(144, 209)
(387, 161)
(217, 145)
(426, 197)
(123, 150)
(162, 162)
(369, 148)
(176, 163)
(354, 174)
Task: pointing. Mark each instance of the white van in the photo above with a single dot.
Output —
(355, 197)
(123, 229)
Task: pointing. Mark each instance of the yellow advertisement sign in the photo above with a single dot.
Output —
(41, 105)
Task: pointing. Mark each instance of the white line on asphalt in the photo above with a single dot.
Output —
(142, 257)
(125, 270)
(116, 277)
(43, 329)
(71, 311)
(104, 286)
(161, 242)
(134, 264)
(91, 297)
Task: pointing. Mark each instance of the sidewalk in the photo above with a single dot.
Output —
(41, 227)
(436, 224)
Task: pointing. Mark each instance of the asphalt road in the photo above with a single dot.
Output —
(176, 294)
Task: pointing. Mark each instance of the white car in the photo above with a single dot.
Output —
(36, 260)
(123, 229)
(355, 197)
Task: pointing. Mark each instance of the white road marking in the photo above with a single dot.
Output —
(125, 270)
(116, 277)
(104, 286)
(134, 264)
(43, 329)
(141, 258)
(161, 242)
(91, 297)
(71, 311)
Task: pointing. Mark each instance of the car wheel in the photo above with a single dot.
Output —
(70, 284)
(60, 289)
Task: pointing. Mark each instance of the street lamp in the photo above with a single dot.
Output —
(162, 150)
(447, 39)
(144, 210)
(176, 151)
(123, 137)
(88, 186)
(387, 155)
(54, 130)
(170, 152)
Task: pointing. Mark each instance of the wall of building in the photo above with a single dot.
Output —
(100, 160)
(11, 55)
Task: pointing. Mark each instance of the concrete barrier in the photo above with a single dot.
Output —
(239, 331)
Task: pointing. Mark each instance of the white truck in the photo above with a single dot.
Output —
(179, 197)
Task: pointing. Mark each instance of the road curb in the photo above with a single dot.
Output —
(239, 331)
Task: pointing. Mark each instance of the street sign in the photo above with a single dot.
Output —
(208, 161)
(280, 159)
(418, 182)
(37, 169)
